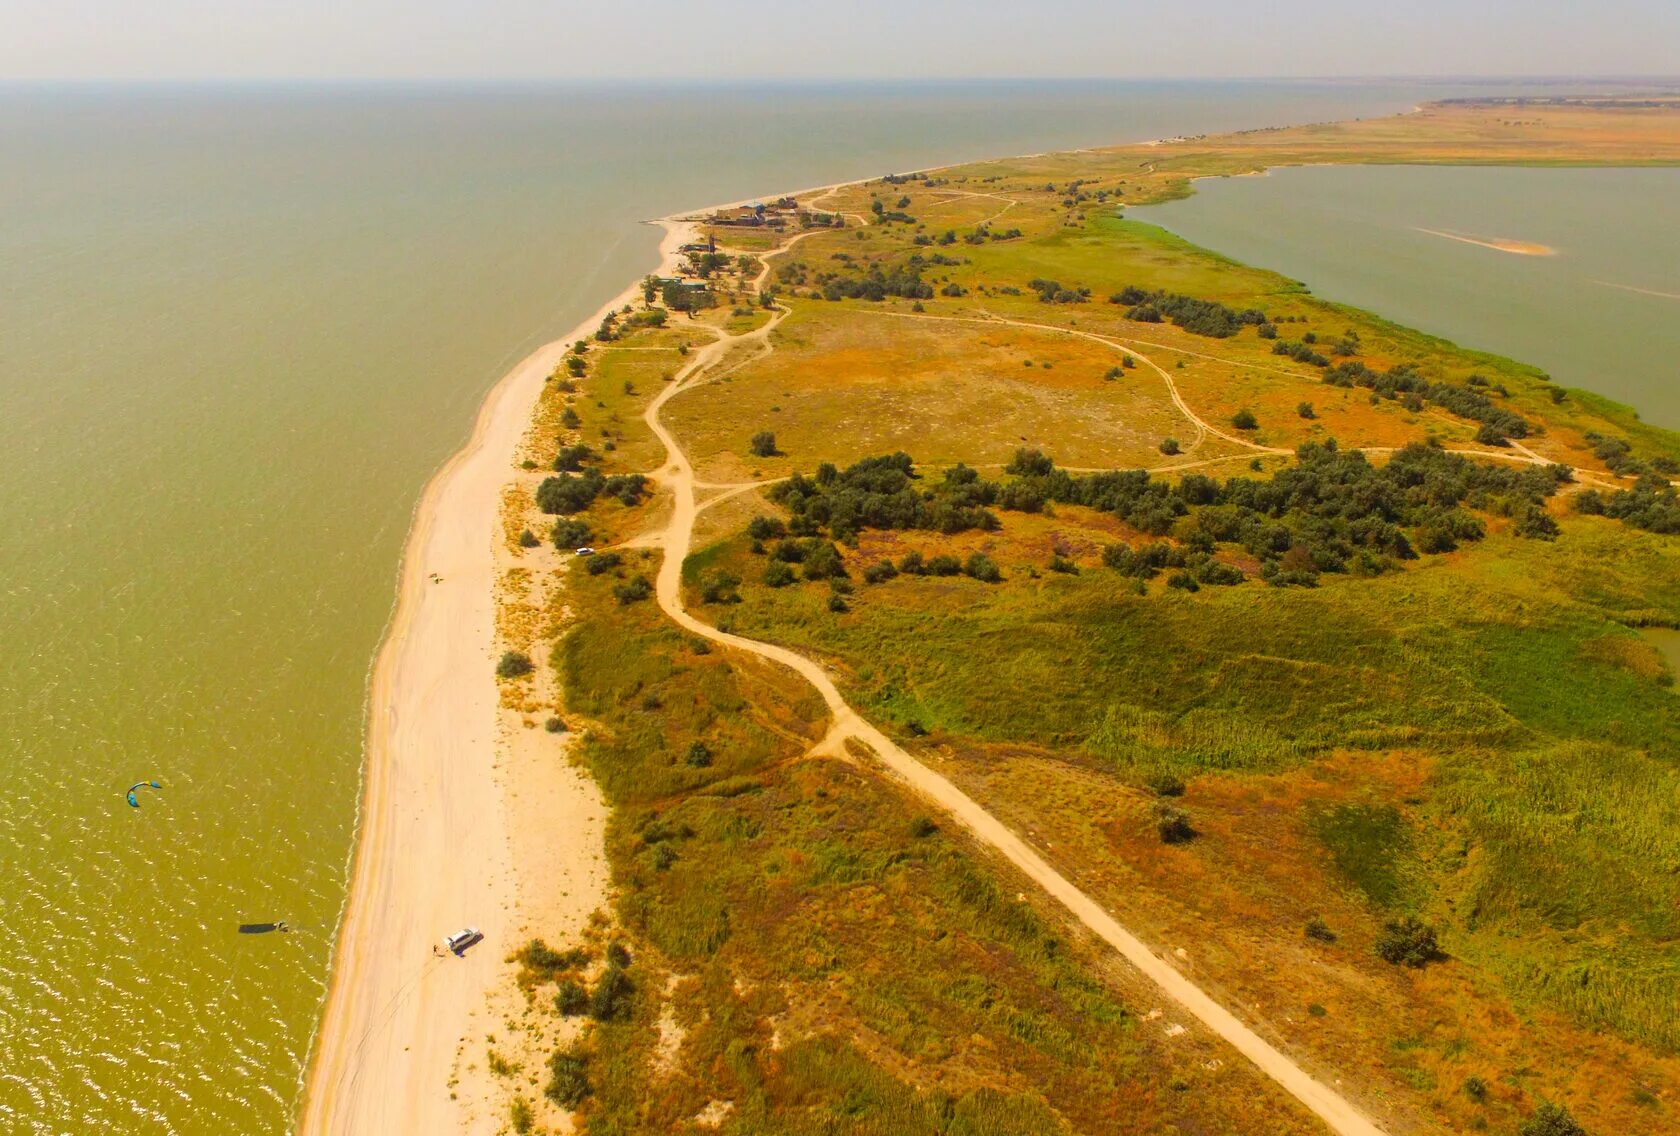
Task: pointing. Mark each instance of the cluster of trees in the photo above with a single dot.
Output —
(880, 493)
(1299, 351)
(1403, 383)
(877, 285)
(567, 493)
(1617, 454)
(1198, 317)
(1332, 511)
(1650, 505)
(883, 215)
(1052, 292)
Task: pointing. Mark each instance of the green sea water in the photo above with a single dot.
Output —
(239, 328)
(1602, 314)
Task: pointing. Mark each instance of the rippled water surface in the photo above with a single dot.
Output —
(238, 329)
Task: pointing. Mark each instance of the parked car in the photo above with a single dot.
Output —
(586, 551)
(462, 939)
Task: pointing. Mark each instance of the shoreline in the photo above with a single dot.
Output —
(432, 843)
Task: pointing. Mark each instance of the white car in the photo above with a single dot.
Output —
(586, 551)
(462, 939)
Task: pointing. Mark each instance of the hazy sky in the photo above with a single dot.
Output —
(175, 39)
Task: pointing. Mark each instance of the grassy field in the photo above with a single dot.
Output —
(1475, 738)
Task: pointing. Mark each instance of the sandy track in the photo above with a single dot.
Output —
(848, 726)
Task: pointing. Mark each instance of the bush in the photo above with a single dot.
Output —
(777, 574)
(720, 588)
(611, 998)
(823, 562)
(911, 564)
(879, 573)
(528, 539)
(1169, 446)
(837, 603)
(555, 725)
(982, 568)
(1318, 929)
(568, 1083)
(519, 1116)
(602, 562)
(570, 998)
(764, 444)
(923, 827)
(1060, 563)
(1164, 785)
(1475, 1088)
(1244, 420)
(766, 528)
(634, 589)
(1551, 1120)
(1408, 941)
(1173, 824)
(569, 533)
(514, 664)
(1305, 410)
(618, 955)
(699, 756)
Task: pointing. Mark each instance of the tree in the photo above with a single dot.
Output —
(1408, 941)
(1169, 446)
(1244, 420)
(1551, 1120)
(1305, 410)
(777, 574)
(764, 444)
(514, 664)
(612, 994)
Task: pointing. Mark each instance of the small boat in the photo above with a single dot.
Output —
(263, 928)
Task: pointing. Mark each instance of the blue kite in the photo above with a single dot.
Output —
(134, 801)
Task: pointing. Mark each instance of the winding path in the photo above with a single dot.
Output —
(677, 475)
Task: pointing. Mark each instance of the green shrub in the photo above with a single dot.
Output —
(514, 664)
(1551, 1120)
(519, 1115)
(634, 589)
(1172, 824)
(612, 994)
(570, 998)
(555, 725)
(982, 568)
(763, 444)
(528, 539)
(571, 533)
(777, 574)
(568, 1083)
(1318, 929)
(699, 756)
(1408, 941)
(1244, 420)
(1169, 446)
(1475, 1088)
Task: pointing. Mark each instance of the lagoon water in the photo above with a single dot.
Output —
(1602, 314)
(238, 330)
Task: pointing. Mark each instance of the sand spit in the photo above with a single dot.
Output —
(1498, 244)
(454, 799)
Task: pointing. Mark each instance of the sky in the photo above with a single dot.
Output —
(831, 39)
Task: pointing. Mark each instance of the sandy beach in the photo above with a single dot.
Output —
(454, 794)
